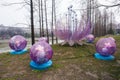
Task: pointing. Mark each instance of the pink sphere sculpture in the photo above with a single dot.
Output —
(90, 38)
(105, 48)
(41, 52)
(17, 43)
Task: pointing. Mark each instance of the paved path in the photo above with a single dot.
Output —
(4, 47)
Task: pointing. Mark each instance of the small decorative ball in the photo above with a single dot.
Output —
(41, 52)
(17, 43)
(90, 38)
(106, 46)
(43, 39)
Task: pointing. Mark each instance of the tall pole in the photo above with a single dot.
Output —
(52, 23)
(39, 6)
(32, 22)
(88, 9)
(46, 20)
(42, 18)
(111, 20)
(55, 17)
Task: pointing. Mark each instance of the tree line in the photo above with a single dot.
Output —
(8, 32)
(102, 21)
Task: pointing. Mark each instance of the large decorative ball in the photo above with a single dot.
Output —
(17, 42)
(90, 38)
(41, 52)
(106, 46)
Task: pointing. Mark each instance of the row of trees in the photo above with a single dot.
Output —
(102, 20)
(6, 33)
(43, 14)
(104, 23)
(41, 10)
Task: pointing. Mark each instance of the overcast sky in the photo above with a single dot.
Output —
(11, 15)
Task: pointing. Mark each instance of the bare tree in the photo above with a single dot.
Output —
(46, 20)
(39, 7)
(42, 18)
(32, 22)
(55, 17)
(52, 22)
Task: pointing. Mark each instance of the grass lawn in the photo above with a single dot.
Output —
(69, 63)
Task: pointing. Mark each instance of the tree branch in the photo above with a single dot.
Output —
(107, 6)
(9, 4)
(101, 5)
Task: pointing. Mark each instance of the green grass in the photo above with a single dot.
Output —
(69, 63)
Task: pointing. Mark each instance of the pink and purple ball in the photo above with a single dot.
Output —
(90, 38)
(106, 46)
(17, 43)
(41, 52)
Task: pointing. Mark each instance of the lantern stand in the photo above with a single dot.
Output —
(101, 57)
(18, 51)
(42, 66)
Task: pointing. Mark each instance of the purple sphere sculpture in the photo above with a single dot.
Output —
(41, 54)
(105, 48)
(90, 38)
(17, 43)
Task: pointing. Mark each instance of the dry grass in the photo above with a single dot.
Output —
(69, 63)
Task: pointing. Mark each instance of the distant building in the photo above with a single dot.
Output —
(8, 31)
(25, 29)
(28, 30)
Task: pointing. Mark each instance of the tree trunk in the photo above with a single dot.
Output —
(52, 22)
(42, 18)
(39, 16)
(46, 21)
(55, 18)
(32, 22)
